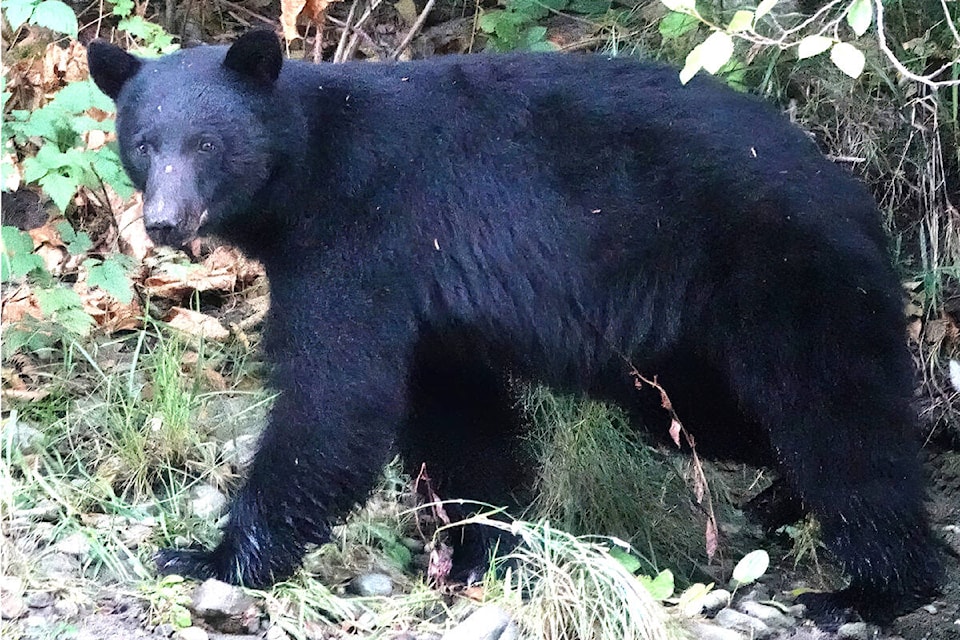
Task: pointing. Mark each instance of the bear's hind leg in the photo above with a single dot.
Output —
(465, 428)
(829, 378)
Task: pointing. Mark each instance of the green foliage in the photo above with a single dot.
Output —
(64, 317)
(713, 54)
(51, 14)
(169, 598)
(515, 26)
(154, 39)
(751, 567)
(112, 275)
(63, 164)
(18, 259)
(661, 586)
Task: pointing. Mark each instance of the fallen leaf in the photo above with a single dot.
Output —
(196, 324)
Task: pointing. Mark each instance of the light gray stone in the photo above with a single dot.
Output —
(715, 600)
(40, 599)
(76, 544)
(215, 599)
(486, 623)
(206, 502)
(706, 631)
(769, 614)
(371, 584)
(854, 631)
(12, 605)
(731, 619)
(191, 633)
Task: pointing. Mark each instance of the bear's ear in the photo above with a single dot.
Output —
(257, 55)
(110, 66)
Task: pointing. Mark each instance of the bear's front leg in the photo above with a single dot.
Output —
(329, 436)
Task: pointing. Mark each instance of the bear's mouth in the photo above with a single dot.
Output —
(175, 230)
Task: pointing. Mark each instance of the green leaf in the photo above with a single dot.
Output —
(660, 587)
(683, 6)
(535, 35)
(59, 188)
(122, 8)
(813, 46)
(741, 21)
(74, 320)
(676, 24)
(717, 49)
(848, 59)
(764, 8)
(488, 21)
(77, 243)
(56, 16)
(17, 258)
(690, 601)
(110, 276)
(57, 299)
(859, 16)
(18, 11)
(79, 96)
(629, 561)
(180, 616)
(692, 64)
(589, 7)
(751, 566)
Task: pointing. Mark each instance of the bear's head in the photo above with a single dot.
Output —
(195, 130)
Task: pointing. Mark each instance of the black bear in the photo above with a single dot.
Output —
(428, 227)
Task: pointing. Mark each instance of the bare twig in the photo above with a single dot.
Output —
(417, 25)
(249, 12)
(929, 79)
(342, 44)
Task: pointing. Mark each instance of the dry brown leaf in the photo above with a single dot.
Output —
(291, 10)
(196, 324)
(19, 304)
(165, 285)
(109, 313)
(232, 260)
(133, 238)
(914, 329)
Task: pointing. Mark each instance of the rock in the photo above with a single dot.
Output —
(206, 502)
(75, 544)
(489, 622)
(191, 633)
(240, 450)
(40, 599)
(136, 534)
(215, 599)
(706, 631)
(715, 600)
(225, 607)
(412, 544)
(768, 614)
(59, 564)
(930, 608)
(12, 605)
(731, 619)
(276, 633)
(371, 584)
(25, 437)
(66, 609)
(854, 631)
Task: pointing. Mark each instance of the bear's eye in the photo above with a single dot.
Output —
(206, 146)
(143, 149)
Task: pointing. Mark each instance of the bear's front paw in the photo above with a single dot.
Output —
(190, 563)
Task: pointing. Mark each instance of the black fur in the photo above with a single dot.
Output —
(429, 226)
